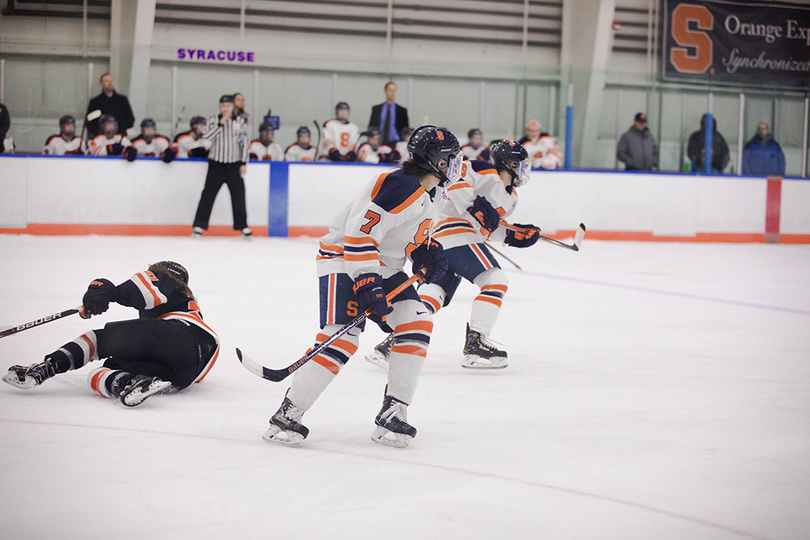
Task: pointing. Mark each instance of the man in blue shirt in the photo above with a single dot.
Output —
(762, 155)
(389, 117)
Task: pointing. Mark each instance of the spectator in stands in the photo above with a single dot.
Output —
(371, 151)
(66, 142)
(543, 150)
(110, 142)
(637, 148)
(111, 103)
(264, 148)
(239, 106)
(150, 144)
(340, 136)
(191, 143)
(697, 148)
(475, 148)
(5, 124)
(301, 149)
(762, 155)
(389, 117)
(402, 145)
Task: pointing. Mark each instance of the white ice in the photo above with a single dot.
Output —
(655, 390)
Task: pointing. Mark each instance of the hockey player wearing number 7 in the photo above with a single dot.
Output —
(360, 260)
(476, 206)
(165, 350)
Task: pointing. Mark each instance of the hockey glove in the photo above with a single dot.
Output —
(351, 155)
(334, 155)
(526, 236)
(98, 297)
(485, 215)
(198, 152)
(431, 257)
(115, 149)
(370, 294)
(130, 153)
(169, 154)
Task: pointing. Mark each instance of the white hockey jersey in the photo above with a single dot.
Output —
(456, 227)
(338, 135)
(98, 146)
(186, 142)
(296, 153)
(387, 220)
(152, 149)
(482, 152)
(57, 146)
(383, 154)
(271, 152)
(544, 152)
(402, 148)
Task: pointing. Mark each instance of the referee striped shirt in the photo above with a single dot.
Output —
(229, 142)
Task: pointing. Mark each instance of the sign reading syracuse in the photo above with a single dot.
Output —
(216, 55)
(729, 42)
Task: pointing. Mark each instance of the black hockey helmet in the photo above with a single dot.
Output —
(107, 119)
(512, 157)
(266, 126)
(473, 132)
(65, 120)
(372, 132)
(303, 130)
(195, 120)
(148, 122)
(175, 269)
(341, 106)
(436, 150)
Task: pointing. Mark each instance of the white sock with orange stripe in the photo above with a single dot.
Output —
(487, 305)
(313, 377)
(76, 353)
(432, 296)
(412, 330)
(97, 379)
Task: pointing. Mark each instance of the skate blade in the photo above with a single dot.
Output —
(26, 384)
(377, 359)
(138, 396)
(277, 435)
(476, 362)
(389, 438)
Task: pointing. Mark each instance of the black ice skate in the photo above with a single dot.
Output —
(379, 356)
(285, 425)
(393, 428)
(27, 377)
(141, 387)
(480, 353)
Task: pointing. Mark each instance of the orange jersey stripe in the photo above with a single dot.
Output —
(210, 365)
(379, 184)
(149, 288)
(360, 241)
(409, 201)
(459, 185)
(481, 256)
(362, 257)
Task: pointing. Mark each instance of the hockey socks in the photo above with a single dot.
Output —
(70, 356)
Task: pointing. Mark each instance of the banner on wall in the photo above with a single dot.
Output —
(740, 43)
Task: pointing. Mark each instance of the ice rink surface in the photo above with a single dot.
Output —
(655, 390)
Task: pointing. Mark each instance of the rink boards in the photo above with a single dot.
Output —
(75, 195)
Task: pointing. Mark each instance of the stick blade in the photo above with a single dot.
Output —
(259, 370)
(579, 236)
(93, 115)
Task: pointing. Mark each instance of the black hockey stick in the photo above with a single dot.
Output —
(317, 146)
(43, 320)
(516, 265)
(277, 375)
(580, 234)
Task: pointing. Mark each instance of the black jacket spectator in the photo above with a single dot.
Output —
(111, 103)
(5, 124)
(696, 149)
(400, 120)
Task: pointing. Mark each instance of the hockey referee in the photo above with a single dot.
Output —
(227, 163)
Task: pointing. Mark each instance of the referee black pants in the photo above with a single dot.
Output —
(218, 174)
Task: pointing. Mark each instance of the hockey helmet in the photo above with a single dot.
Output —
(341, 106)
(175, 269)
(148, 122)
(372, 132)
(66, 119)
(107, 119)
(196, 120)
(303, 130)
(436, 150)
(266, 126)
(512, 157)
(473, 132)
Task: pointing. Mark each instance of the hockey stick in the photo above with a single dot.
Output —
(92, 115)
(580, 234)
(43, 320)
(317, 146)
(277, 375)
(516, 265)
(176, 124)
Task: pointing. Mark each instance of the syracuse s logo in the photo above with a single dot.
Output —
(701, 59)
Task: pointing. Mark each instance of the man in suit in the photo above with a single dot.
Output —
(389, 117)
(111, 103)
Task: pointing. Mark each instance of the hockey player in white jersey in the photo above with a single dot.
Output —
(150, 144)
(476, 206)
(542, 148)
(340, 136)
(66, 142)
(108, 142)
(301, 149)
(263, 148)
(360, 260)
(402, 144)
(371, 151)
(475, 147)
(191, 143)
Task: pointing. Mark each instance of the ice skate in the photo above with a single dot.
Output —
(393, 428)
(27, 377)
(285, 425)
(480, 353)
(140, 388)
(379, 356)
